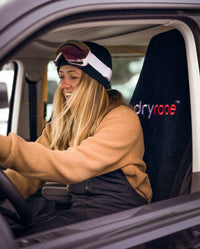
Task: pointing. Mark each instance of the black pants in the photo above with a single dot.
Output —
(96, 197)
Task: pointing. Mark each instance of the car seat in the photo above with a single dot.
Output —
(162, 101)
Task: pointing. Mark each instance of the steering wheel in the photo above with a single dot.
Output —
(15, 198)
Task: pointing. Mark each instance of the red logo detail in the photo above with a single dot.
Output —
(149, 110)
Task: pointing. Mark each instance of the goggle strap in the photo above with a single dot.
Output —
(57, 57)
(99, 66)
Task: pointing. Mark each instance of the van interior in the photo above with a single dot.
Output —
(151, 70)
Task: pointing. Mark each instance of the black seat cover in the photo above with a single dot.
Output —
(162, 101)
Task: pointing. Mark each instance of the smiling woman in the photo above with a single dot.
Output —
(86, 146)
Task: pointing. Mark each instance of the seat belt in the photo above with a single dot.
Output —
(32, 108)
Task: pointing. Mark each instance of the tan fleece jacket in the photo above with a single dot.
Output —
(116, 144)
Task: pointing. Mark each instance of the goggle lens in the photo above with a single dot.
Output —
(73, 52)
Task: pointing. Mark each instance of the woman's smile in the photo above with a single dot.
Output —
(70, 77)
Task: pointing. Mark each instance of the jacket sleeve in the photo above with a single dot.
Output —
(118, 142)
(26, 185)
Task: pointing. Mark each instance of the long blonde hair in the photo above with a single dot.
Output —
(77, 120)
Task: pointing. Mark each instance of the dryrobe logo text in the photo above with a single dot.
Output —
(163, 109)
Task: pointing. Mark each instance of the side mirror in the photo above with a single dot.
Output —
(3, 95)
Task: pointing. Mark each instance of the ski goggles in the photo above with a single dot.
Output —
(79, 54)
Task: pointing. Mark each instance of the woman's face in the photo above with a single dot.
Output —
(70, 77)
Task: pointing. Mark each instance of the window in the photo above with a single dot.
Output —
(6, 86)
(125, 75)
(53, 80)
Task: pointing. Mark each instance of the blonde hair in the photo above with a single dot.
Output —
(77, 120)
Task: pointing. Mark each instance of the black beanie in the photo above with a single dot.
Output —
(102, 54)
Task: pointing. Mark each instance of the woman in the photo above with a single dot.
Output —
(94, 143)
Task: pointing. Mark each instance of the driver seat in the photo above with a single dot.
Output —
(162, 101)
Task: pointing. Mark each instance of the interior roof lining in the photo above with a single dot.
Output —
(100, 30)
(129, 37)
